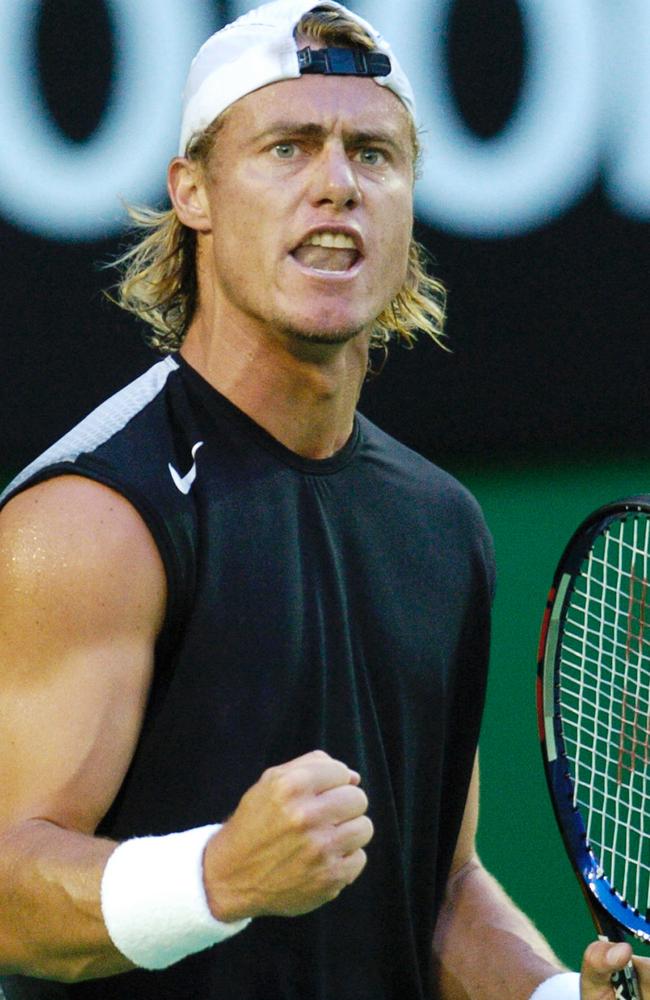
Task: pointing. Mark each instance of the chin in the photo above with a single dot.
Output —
(325, 332)
(318, 336)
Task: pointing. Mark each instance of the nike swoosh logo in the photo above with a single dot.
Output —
(184, 483)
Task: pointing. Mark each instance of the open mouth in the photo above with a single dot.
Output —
(327, 251)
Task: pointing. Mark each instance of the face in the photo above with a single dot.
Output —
(308, 197)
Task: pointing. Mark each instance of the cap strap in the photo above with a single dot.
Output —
(343, 62)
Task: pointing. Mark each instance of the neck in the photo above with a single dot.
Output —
(303, 394)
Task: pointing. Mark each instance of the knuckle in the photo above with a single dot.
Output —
(326, 856)
(285, 777)
(320, 850)
(298, 817)
(312, 856)
(284, 785)
(270, 774)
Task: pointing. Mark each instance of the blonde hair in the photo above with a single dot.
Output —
(158, 273)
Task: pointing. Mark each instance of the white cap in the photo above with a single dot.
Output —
(257, 49)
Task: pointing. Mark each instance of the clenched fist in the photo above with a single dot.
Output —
(294, 842)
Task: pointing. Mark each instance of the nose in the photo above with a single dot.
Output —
(334, 179)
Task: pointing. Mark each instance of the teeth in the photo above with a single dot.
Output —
(336, 241)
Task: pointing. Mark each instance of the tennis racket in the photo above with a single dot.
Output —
(593, 698)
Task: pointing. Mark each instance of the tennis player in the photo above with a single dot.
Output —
(244, 632)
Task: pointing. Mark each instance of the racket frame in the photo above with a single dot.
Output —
(611, 913)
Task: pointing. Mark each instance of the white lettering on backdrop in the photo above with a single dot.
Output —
(67, 190)
(584, 107)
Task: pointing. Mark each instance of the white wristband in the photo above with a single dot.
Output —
(563, 986)
(153, 899)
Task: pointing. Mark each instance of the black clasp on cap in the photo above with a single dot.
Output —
(344, 62)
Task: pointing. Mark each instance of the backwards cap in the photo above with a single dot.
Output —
(259, 48)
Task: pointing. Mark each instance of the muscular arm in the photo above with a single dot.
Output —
(81, 600)
(484, 946)
(82, 594)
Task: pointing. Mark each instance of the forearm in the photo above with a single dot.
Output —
(484, 946)
(294, 843)
(50, 920)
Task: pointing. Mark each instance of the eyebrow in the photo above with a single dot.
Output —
(312, 130)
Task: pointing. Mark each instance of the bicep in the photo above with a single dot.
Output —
(81, 601)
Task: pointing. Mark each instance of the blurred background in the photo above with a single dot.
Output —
(534, 202)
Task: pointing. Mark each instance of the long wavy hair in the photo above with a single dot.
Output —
(158, 281)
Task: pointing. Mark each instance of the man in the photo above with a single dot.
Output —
(227, 598)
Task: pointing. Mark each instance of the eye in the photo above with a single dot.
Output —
(371, 157)
(284, 150)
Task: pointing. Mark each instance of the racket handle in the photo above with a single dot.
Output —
(625, 983)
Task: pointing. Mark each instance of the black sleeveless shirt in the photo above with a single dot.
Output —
(340, 604)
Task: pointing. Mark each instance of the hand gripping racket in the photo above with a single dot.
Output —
(593, 698)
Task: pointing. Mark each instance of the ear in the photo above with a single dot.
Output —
(186, 186)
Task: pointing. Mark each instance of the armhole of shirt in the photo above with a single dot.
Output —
(177, 553)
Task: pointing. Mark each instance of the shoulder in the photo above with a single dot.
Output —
(106, 435)
(79, 545)
(416, 475)
(70, 507)
(131, 444)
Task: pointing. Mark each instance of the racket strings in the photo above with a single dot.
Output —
(604, 692)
